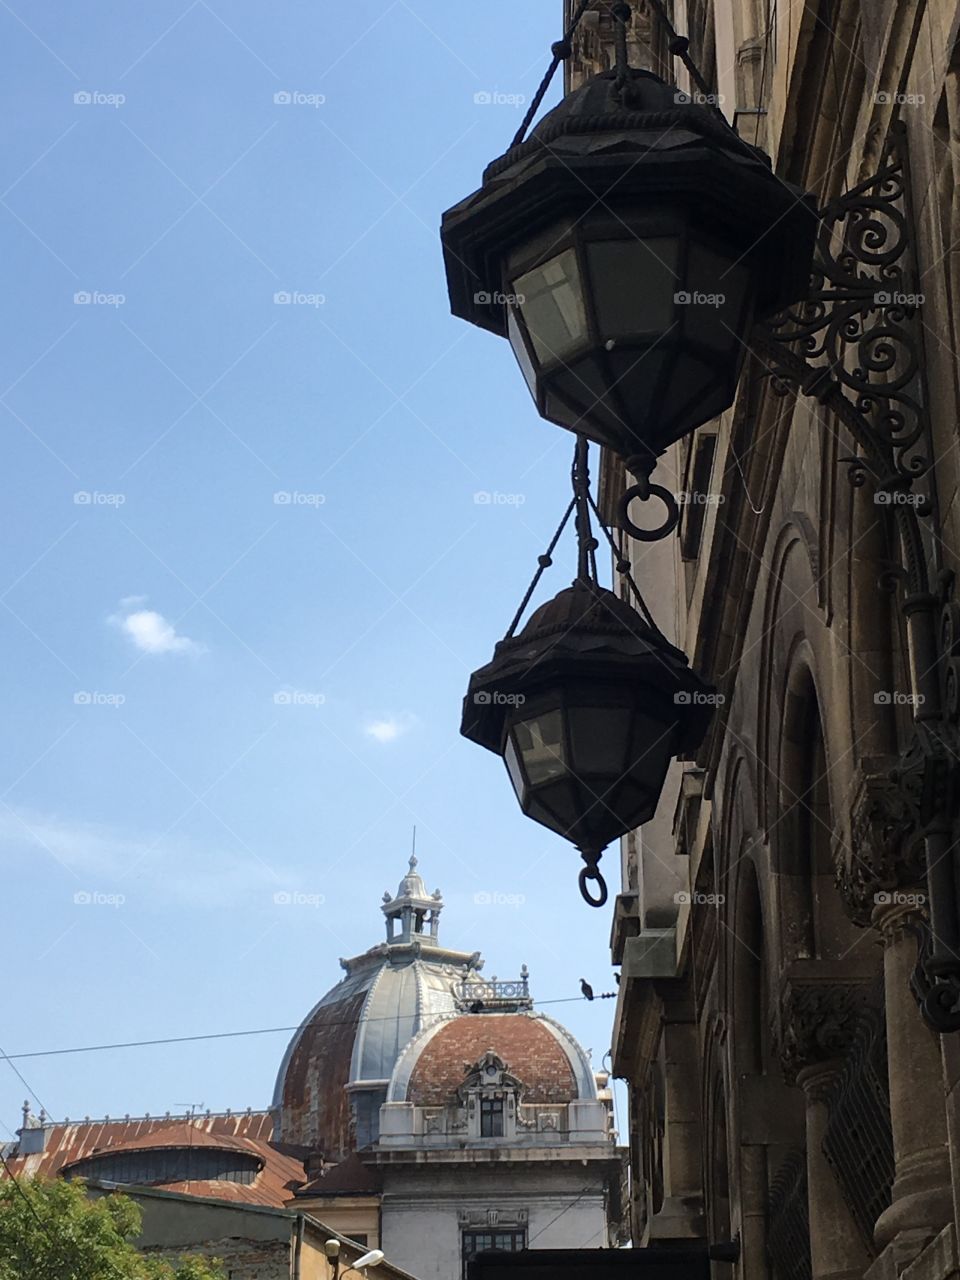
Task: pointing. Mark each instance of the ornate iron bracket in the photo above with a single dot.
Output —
(853, 345)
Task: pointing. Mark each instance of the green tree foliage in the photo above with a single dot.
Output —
(50, 1230)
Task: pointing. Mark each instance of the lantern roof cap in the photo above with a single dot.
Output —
(652, 147)
(584, 631)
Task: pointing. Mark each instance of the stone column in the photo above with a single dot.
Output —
(819, 1013)
(922, 1194)
(837, 1250)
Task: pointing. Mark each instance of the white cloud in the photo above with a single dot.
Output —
(150, 631)
(389, 728)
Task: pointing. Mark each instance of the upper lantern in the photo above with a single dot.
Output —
(625, 250)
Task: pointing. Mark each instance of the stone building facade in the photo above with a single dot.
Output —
(784, 1090)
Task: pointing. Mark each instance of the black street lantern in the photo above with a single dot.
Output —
(626, 249)
(587, 706)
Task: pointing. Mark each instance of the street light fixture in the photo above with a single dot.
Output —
(626, 249)
(587, 705)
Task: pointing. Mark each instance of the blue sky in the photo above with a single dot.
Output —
(211, 695)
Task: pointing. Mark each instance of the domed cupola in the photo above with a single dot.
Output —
(335, 1073)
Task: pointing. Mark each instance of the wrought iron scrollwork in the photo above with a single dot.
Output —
(854, 332)
(854, 345)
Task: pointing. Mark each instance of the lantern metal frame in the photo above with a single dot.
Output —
(585, 650)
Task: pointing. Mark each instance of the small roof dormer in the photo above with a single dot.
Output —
(413, 913)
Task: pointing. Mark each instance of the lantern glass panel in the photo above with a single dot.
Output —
(599, 740)
(550, 299)
(512, 761)
(539, 742)
(515, 335)
(633, 283)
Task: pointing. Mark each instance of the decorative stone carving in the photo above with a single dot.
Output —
(492, 1217)
(886, 853)
(818, 1020)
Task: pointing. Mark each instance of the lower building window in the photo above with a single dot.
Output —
(475, 1242)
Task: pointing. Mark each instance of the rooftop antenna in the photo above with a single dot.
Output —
(413, 851)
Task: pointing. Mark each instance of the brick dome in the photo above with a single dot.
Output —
(538, 1051)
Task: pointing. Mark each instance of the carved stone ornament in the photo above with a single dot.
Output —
(818, 1020)
(492, 1217)
(886, 852)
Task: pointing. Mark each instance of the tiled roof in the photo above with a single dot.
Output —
(530, 1050)
(281, 1174)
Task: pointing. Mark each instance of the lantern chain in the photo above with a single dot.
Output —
(561, 50)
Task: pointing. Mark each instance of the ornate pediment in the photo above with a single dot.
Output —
(488, 1072)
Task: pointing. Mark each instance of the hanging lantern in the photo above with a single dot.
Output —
(625, 250)
(587, 705)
